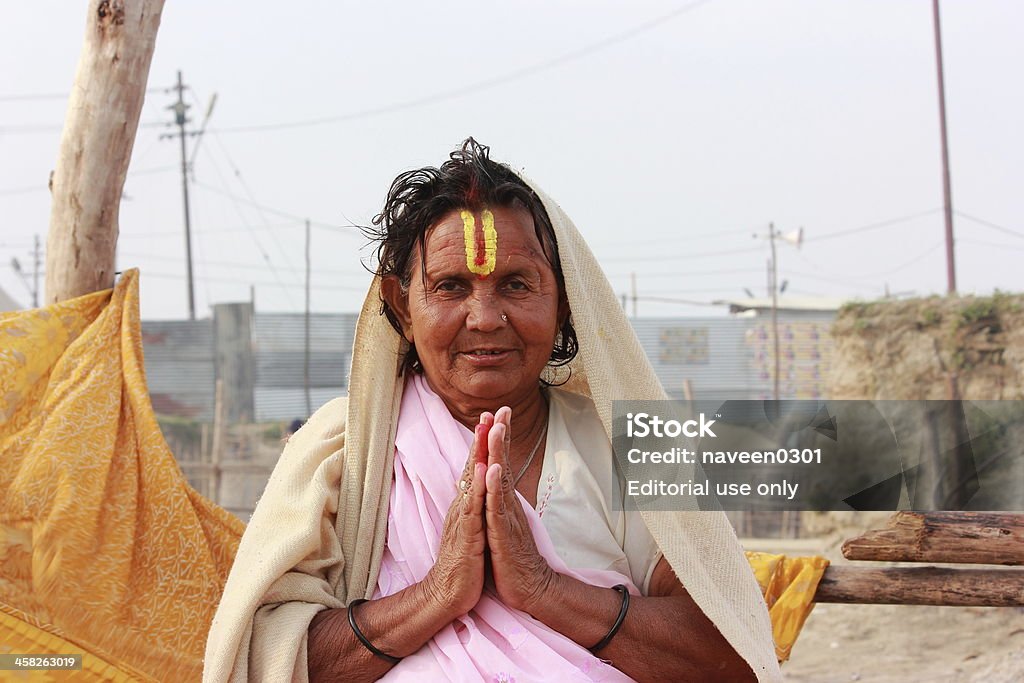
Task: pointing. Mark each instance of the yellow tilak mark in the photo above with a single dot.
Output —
(481, 250)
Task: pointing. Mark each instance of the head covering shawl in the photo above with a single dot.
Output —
(317, 536)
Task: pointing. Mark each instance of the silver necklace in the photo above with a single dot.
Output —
(529, 458)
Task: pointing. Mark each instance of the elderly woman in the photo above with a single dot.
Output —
(454, 520)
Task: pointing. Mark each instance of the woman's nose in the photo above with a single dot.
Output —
(485, 314)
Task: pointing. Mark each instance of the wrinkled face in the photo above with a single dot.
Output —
(485, 314)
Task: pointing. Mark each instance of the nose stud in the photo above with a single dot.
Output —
(504, 318)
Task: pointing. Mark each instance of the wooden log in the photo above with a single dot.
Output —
(958, 537)
(96, 145)
(922, 586)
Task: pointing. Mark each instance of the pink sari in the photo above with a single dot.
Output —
(493, 643)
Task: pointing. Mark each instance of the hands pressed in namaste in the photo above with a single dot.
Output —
(486, 532)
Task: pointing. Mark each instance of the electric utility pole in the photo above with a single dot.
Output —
(180, 109)
(33, 284)
(947, 193)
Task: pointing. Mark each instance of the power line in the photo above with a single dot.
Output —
(31, 128)
(245, 186)
(699, 290)
(22, 190)
(831, 280)
(154, 169)
(56, 128)
(255, 239)
(989, 224)
(982, 243)
(214, 231)
(462, 91)
(241, 265)
(669, 300)
(32, 97)
(662, 240)
(28, 189)
(871, 226)
(867, 277)
(350, 229)
(911, 262)
(673, 257)
(236, 281)
(741, 250)
(844, 281)
(688, 273)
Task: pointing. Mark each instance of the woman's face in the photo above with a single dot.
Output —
(485, 314)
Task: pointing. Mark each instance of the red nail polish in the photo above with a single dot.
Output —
(481, 443)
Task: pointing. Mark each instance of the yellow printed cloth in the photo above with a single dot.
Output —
(788, 585)
(103, 544)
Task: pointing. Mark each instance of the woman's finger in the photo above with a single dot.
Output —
(497, 444)
(473, 500)
(477, 452)
(495, 497)
(483, 429)
(504, 416)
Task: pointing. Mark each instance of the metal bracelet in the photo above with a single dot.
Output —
(362, 639)
(618, 622)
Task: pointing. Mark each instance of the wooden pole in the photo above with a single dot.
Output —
(956, 537)
(219, 429)
(922, 586)
(96, 145)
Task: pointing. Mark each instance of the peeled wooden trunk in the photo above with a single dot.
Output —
(955, 537)
(96, 145)
(947, 586)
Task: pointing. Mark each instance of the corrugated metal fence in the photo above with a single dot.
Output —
(720, 359)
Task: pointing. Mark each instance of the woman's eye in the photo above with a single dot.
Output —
(448, 286)
(517, 285)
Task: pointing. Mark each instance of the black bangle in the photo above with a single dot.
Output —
(618, 622)
(362, 639)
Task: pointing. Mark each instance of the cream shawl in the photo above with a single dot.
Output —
(316, 538)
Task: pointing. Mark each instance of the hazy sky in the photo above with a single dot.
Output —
(670, 132)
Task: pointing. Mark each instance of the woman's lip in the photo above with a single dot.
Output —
(486, 359)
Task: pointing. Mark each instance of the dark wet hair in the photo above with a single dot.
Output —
(469, 180)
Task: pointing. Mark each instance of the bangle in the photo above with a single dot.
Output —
(362, 639)
(618, 622)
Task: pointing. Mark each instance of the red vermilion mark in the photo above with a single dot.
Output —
(481, 247)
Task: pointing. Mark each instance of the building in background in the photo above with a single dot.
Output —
(226, 388)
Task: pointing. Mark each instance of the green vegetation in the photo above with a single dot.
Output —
(978, 310)
(178, 428)
(930, 317)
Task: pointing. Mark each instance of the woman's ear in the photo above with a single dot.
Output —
(397, 300)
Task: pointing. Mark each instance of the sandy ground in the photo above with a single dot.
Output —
(895, 643)
(890, 643)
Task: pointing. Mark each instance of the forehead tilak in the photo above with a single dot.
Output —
(481, 243)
